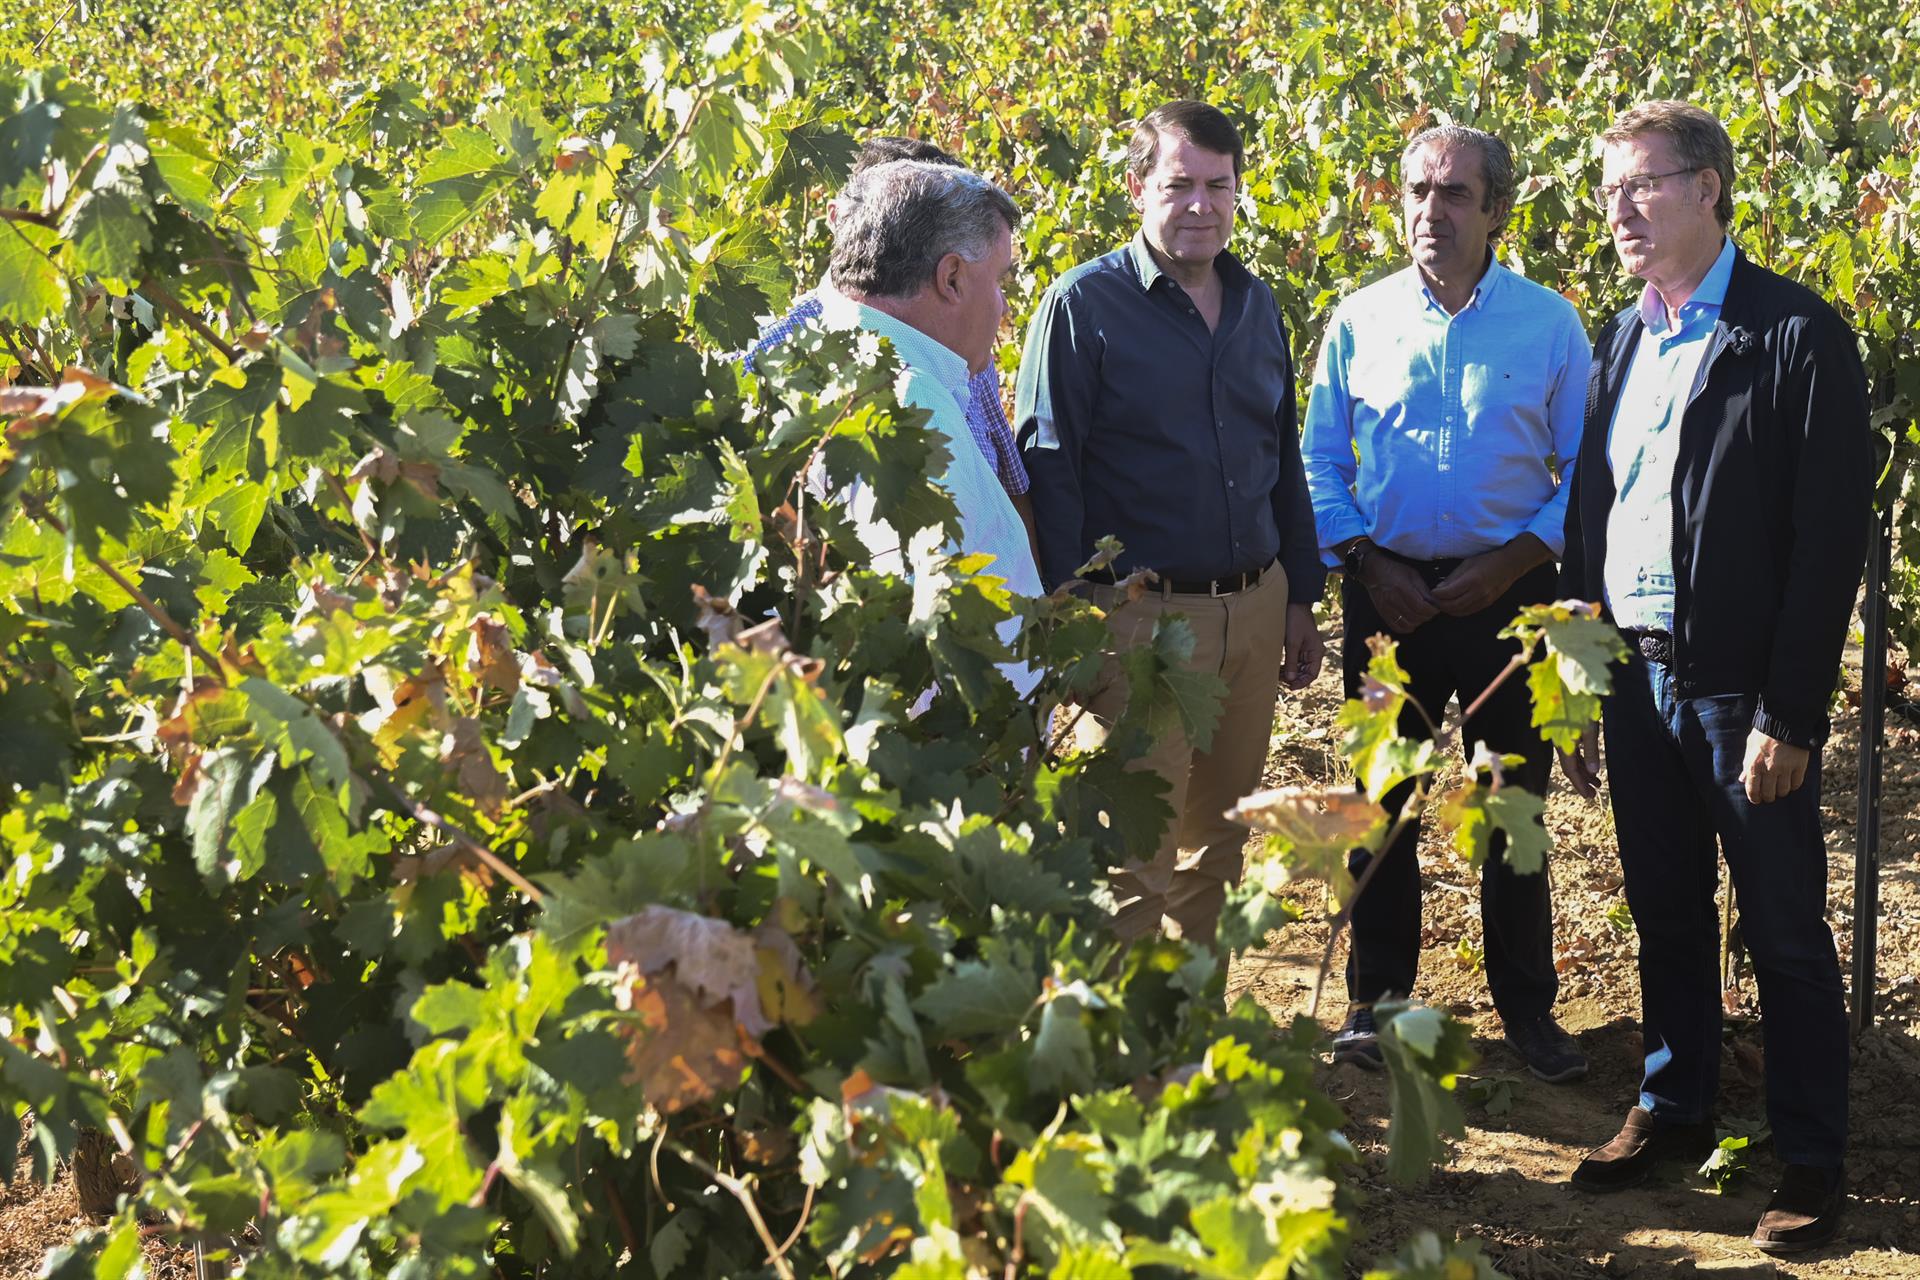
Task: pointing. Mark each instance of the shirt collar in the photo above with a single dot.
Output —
(917, 350)
(1710, 296)
(1483, 290)
(1232, 273)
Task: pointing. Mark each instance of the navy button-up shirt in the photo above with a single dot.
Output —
(1135, 420)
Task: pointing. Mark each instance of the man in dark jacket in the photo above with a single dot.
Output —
(1720, 508)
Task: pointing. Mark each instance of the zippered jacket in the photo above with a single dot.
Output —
(1772, 500)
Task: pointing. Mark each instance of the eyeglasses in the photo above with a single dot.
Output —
(1638, 187)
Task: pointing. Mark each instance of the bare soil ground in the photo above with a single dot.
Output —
(1506, 1184)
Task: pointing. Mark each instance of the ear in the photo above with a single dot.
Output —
(1134, 187)
(1710, 187)
(1502, 211)
(948, 275)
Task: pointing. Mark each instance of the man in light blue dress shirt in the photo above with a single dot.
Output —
(920, 252)
(1445, 413)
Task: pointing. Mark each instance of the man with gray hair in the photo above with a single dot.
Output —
(1720, 508)
(986, 415)
(1459, 385)
(920, 252)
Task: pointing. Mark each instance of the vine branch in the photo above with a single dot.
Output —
(1773, 126)
(171, 305)
(38, 510)
(739, 1190)
(422, 814)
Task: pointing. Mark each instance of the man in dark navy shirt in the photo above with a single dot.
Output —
(1156, 403)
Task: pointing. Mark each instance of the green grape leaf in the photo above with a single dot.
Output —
(31, 283)
(977, 997)
(291, 727)
(1425, 1051)
(1568, 681)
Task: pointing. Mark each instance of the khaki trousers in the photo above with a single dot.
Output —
(1240, 638)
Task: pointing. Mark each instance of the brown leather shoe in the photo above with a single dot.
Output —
(1641, 1144)
(1805, 1212)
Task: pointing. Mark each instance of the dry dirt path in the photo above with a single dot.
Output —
(1507, 1181)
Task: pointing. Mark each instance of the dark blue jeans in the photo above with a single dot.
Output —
(1675, 767)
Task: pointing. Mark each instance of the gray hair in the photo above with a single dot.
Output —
(897, 220)
(1496, 160)
(1697, 135)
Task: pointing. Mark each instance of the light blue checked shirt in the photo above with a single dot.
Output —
(935, 378)
(1642, 442)
(1458, 420)
(986, 416)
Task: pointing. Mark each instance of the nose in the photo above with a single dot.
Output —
(1618, 207)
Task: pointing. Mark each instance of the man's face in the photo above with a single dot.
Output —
(1186, 200)
(1674, 222)
(983, 301)
(1443, 193)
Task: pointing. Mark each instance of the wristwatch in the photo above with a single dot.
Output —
(1358, 552)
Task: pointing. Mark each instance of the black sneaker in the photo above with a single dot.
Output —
(1358, 1042)
(1550, 1052)
(1804, 1213)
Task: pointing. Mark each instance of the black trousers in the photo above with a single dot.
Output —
(1445, 657)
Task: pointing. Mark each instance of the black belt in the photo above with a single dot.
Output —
(1433, 571)
(1654, 646)
(1191, 586)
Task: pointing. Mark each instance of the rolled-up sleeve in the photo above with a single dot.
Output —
(1566, 417)
(1054, 400)
(1327, 447)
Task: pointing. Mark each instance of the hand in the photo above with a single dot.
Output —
(1582, 764)
(1774, 769)
(1398, 593)
(1479, 581)
(1303, 649)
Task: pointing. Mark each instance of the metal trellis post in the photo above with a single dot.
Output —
(1873, 718)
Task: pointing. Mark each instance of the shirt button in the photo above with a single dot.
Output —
(1446, 466)
(1229, 484)
(1446, 515)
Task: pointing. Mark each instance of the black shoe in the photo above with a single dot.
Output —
(1804, 1212)
(1641, 1144)
(1358, 1042)
(1549, 1051)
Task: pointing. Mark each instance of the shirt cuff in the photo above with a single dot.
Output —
(1795, 731)
(1337, 528)
(1550, 526)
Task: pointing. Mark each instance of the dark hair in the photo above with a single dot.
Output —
(1201, 123)
(884, 148)
(1496, 159)
(897, 220)
(1697, 135)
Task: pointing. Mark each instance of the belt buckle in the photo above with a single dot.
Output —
(1213, 588)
